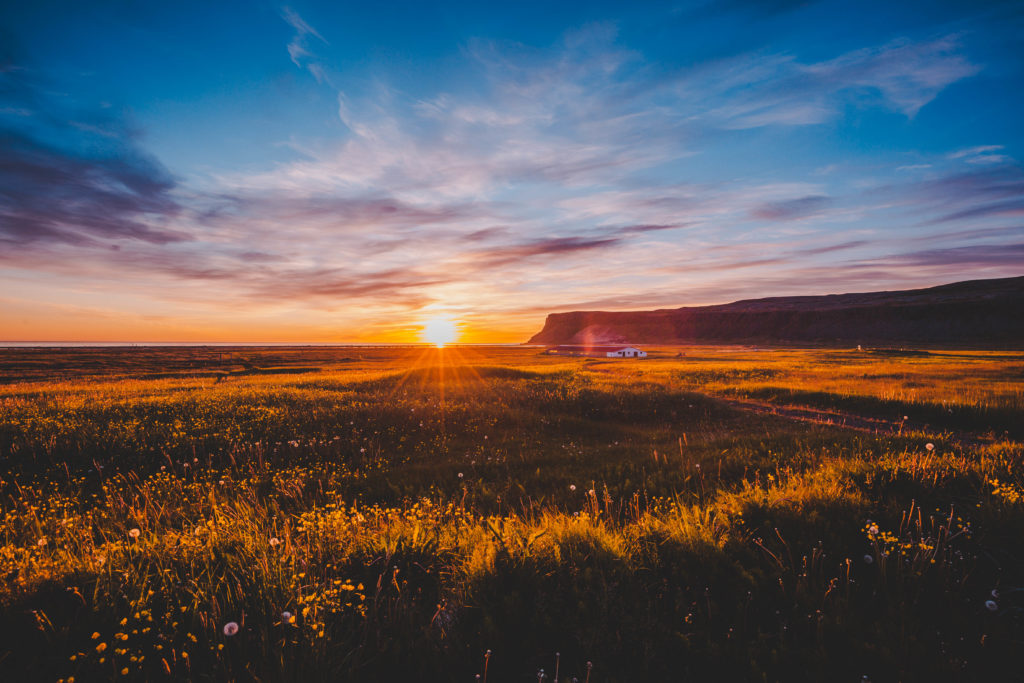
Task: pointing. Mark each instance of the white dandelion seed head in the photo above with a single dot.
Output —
(230, 628)
(274, 540)
(572, 487)
(41, 542)
(930, 446)
(868, 559)
(995, 592)
(287, 617)
(134, 533)
(991, 605)
(461, 475)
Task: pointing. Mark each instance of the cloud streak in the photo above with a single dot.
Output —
(100, 189)
(299, 49)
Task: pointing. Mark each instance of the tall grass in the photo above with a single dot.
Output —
(393, 519)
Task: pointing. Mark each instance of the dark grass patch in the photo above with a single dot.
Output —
(936, 418)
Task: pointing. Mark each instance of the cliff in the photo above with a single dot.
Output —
(977, 312)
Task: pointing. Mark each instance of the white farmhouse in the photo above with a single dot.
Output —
(626, 352)
(600, 351)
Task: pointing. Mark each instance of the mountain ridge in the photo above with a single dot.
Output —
(986, 312)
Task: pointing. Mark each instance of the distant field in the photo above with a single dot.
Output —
(379, 514)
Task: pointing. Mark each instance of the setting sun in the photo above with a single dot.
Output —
(439, 331)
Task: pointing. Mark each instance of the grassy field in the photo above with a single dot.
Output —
(411, 514)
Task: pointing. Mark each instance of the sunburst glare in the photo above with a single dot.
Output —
(439, 331)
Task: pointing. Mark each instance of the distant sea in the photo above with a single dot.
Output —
(117, 344)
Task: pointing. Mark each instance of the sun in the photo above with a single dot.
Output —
(439, 331)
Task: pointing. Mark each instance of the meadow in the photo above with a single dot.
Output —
(419, 514)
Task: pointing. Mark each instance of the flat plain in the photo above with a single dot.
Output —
(413, 514)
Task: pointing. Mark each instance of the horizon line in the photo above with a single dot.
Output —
(87, 342)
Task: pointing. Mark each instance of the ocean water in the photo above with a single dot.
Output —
(125, 344)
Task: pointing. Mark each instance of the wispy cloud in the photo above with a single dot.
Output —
(975, 256)
(51, 195)
(299, 48)
(908, 74)
(792, 209)
(65, 182)
(981, 154)
(779, 90)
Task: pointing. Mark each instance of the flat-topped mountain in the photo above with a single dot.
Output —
(983, 312)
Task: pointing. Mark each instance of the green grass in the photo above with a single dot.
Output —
(413, 509)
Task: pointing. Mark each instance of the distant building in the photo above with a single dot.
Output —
(603, 351)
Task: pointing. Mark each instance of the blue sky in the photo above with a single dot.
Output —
(345, 171)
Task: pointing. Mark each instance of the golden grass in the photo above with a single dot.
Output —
(394, 516)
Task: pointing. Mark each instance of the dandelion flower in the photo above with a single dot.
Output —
(134, 533)
(868, 559)
(230, 628)
(991, 605)
(41, 542)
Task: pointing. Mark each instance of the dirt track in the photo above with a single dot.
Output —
(860, 423)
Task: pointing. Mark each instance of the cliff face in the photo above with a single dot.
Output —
(984, 312)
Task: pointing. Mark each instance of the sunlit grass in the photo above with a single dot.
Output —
(354, 521)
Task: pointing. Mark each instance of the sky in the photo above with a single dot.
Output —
(346, 171)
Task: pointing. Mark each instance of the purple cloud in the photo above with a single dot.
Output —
(791, 209)
(53, 195)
